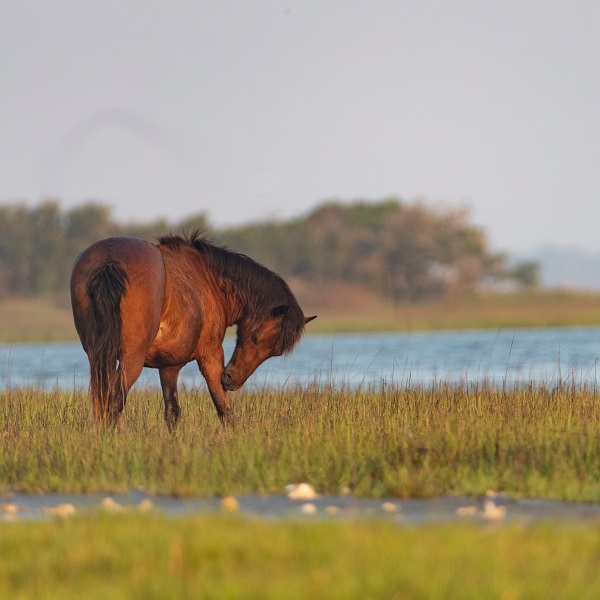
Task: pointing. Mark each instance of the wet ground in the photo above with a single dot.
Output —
(444, 509)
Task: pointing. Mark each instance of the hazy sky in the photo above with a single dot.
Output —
(251, 110)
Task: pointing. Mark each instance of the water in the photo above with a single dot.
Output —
(512, 356)
(505, 356)
(434, 510)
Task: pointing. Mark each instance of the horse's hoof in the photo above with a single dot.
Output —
(227, 419)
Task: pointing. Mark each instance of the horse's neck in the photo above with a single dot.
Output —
(234, 301)
(238, 285)
(235, 313)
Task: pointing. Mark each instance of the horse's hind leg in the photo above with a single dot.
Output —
(168, 382)
(129, 370)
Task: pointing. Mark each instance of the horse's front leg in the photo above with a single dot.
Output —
(168, 383)
(212, 368)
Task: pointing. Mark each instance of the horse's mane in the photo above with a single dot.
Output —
(260, 289)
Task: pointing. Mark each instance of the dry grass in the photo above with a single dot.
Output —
(35, 320)
(480, 311)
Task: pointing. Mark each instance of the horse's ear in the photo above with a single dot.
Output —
(309, 319)
(280, 311)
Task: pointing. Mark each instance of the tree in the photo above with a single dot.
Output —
(526, 273)
(15, 249)
(47, 248)
(403, 251)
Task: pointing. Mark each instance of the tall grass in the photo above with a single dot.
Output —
(402, 442)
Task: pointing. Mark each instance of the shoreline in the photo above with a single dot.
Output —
(45, 320)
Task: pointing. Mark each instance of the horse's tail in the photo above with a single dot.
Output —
(105, 289)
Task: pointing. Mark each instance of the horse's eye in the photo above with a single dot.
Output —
(254, 338)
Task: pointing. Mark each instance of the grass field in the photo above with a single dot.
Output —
(478, 311)
(35, 320)
(45, 319)
(535, 442)
(153, 557)
(412, 442)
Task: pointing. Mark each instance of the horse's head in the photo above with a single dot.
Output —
(274, 335)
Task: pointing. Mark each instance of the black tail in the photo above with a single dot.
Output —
(106, 288)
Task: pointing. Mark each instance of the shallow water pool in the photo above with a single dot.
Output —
(442, 509)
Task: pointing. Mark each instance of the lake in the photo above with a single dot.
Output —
(354, 360)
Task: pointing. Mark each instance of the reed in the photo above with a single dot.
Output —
(537, 441)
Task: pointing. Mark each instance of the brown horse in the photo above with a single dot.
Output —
(138, 304)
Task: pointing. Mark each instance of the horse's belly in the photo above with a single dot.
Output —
(159, 361)
(165, 352)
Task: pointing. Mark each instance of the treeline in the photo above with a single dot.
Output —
(400, 250)
(39, 245)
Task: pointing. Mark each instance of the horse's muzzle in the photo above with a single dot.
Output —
(228, 381)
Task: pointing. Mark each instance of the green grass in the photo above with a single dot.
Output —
(414, 442)
(536, 442)
(132, 556)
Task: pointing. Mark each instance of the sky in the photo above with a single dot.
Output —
(258, 110)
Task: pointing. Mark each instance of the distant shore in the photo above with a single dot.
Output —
(46, 320)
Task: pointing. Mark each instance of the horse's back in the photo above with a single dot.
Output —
(144, 287)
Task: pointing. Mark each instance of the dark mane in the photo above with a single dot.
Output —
(259, 288)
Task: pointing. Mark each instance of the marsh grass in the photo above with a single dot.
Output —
(42, 319)
(212, 556)
(538, 308)
(402, 442)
